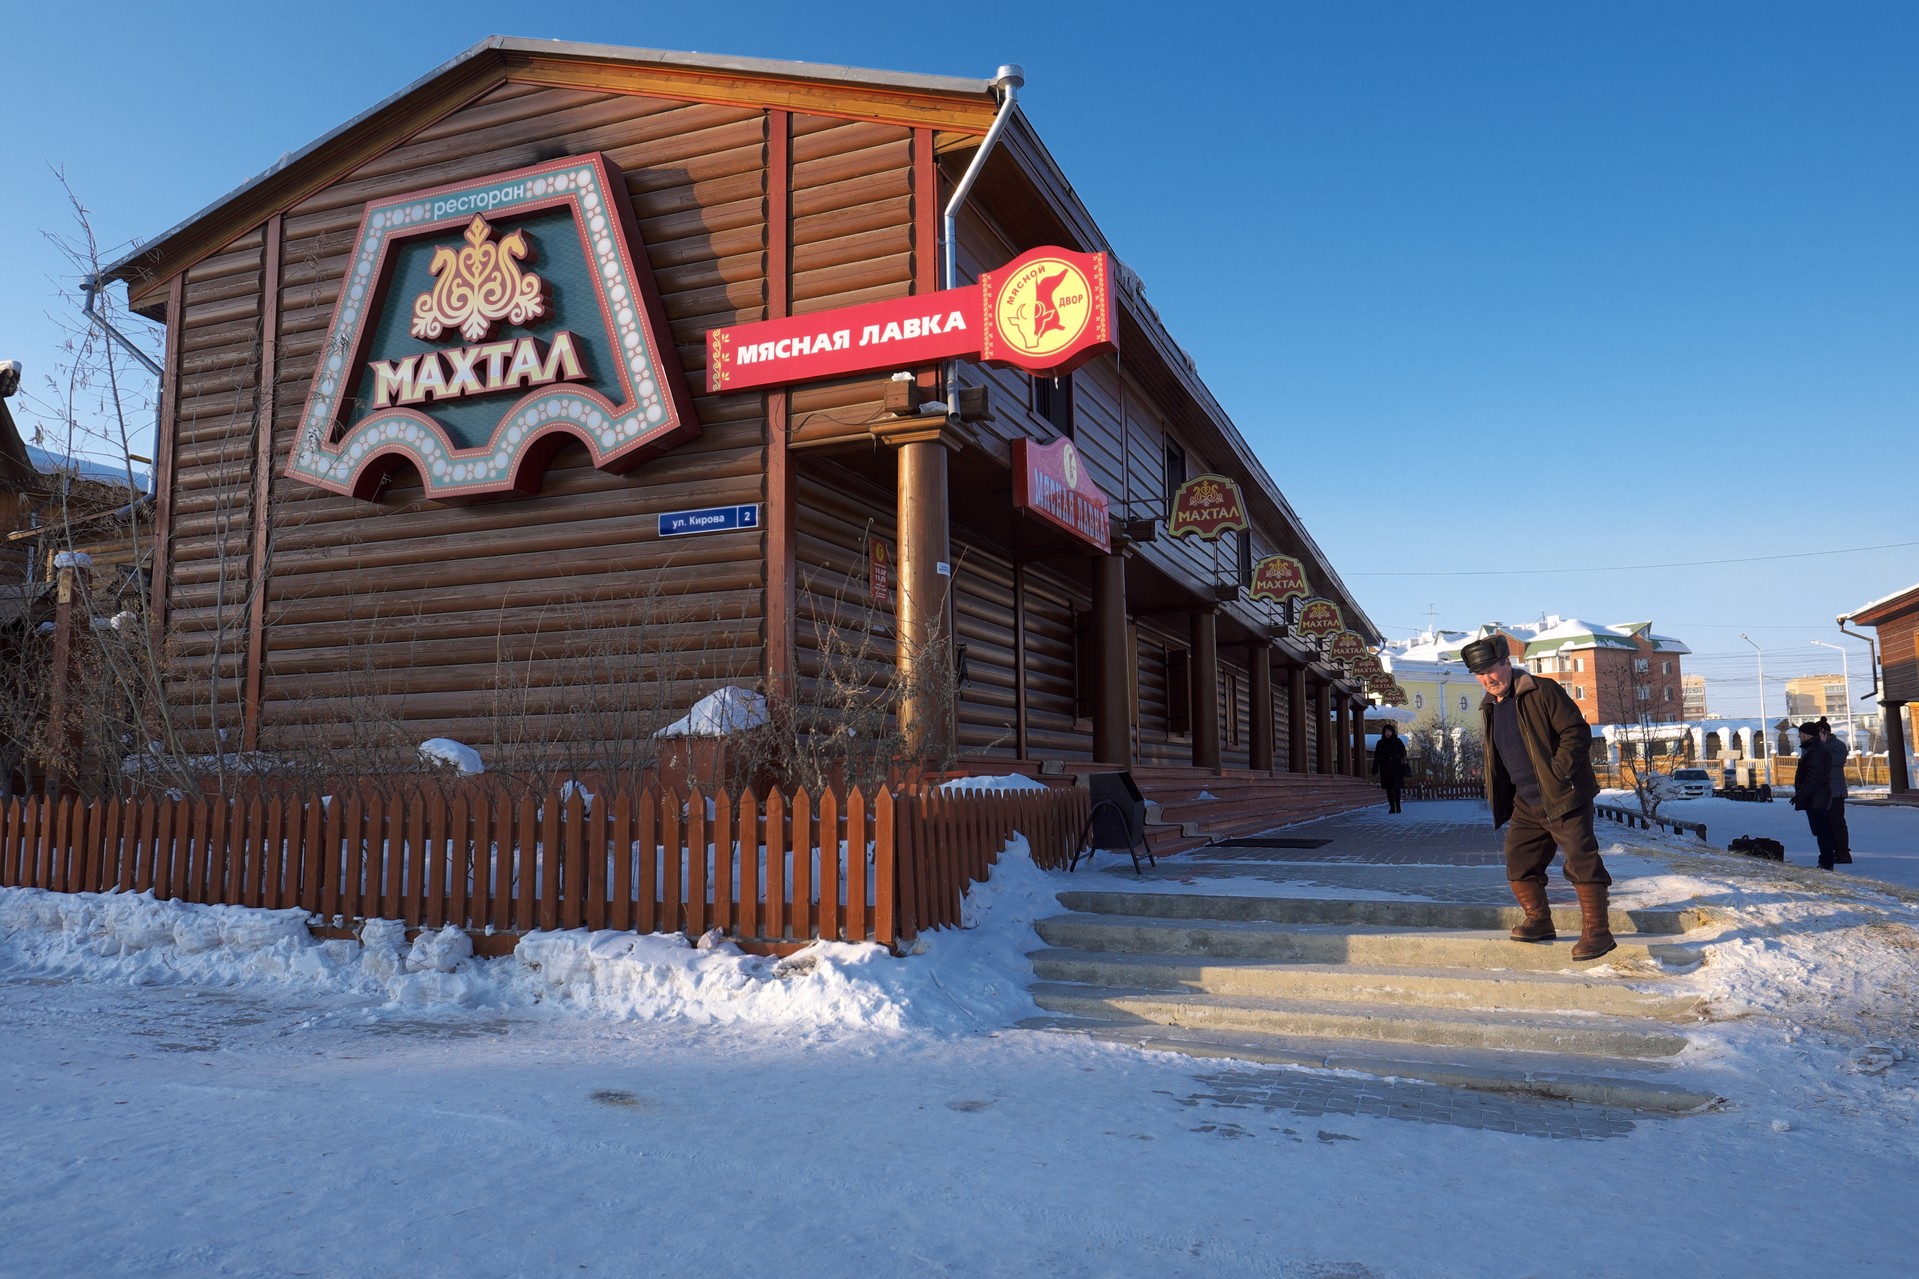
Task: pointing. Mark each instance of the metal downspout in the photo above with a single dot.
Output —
(1008, 81)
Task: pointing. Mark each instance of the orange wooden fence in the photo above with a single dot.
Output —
(787, 869)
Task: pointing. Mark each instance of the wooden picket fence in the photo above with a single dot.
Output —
(773, 873)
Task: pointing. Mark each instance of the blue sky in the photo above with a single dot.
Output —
(1507, 295)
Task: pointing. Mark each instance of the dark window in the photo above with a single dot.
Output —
(1231, 708)
(1245, 539)
(1179, 693)
(1053, 400)
(1175, 473)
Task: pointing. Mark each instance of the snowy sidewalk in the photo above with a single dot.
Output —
(251, 1103)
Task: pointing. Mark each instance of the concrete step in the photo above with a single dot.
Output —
(1664, 920)
(1530, 1031)
(1364, 983)
(1317, 943)
(1647, 1085)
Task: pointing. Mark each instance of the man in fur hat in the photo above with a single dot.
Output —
(1540, 783)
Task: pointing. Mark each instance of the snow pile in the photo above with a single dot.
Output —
(998, 784)
(956, 980)
(456, 755)
(727, 710)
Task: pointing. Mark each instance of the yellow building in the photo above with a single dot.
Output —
(1438, 685)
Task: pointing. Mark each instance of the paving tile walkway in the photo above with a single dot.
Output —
(1438, 850)
(1306, 1095)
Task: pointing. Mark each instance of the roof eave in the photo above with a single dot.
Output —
(446, 87)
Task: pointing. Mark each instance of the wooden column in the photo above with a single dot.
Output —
(1900, 780)
(1112, 671)
(924, 614)
(1205, 695)
(1295, 718)
(1259, 663)
(1342, 732)
(163, 464)
(781, 492)
(64, 740)
(1360, 768)
(1322, 725)
(1020, 743)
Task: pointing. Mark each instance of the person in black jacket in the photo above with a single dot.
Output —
(1389, 762)
(1812, 789)
(1838, 834)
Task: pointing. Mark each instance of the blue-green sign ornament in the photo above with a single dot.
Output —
(481, 326)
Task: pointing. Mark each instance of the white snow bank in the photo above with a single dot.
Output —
(727, 710)
(999, 783)
(457, 755)
(955, 981)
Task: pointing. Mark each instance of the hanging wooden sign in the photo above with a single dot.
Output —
(1319, 617)
(1367, 665)
(1278, 578)
(1050, 482)
(1347, 646)
(1205, 507)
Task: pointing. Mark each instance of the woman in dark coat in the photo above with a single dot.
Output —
(1389, 762)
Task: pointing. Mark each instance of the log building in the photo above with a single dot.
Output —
(332, 533)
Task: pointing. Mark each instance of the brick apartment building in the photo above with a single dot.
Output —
(1621, 674)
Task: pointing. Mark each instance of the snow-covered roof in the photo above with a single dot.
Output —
(1909, 595)
(48, 462)
(1573, 633)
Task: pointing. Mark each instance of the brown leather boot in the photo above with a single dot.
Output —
(1538, 924)
(1595, 929)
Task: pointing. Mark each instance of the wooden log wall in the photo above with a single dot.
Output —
(856, 238)
(839, 625)
(216, 412)
(414, 615)
(986, 716)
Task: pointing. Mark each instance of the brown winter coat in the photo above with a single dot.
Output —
(1557, 738)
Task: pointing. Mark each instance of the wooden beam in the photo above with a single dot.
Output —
(926, 236)
(163, 461)
(266, 402)
(913, 108)
(781, 492)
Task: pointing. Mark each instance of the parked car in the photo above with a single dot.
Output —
(1691, 783)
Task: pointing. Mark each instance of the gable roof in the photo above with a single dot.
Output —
(944, 102)
(950, 105)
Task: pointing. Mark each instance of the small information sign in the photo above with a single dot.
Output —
(710, 519)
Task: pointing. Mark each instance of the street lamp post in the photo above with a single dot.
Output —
(1765, 730)
(1845, 677)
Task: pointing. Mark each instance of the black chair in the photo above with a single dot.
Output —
(1117, 820)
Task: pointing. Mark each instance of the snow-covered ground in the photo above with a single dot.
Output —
(196, 1091)
(1885, 838)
